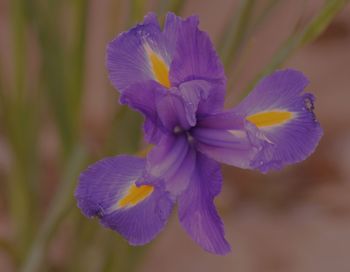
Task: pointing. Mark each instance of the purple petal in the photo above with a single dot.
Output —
(228, 138)
(172, 112)
(284, 115)
(172, 160)
(201, 97)
(172, 25)
(127, 58)
(105, 185)
(195, 58)
(181, 106)
(197, 212)
(193, 93)
(145, 101)
(151, 18)
(273, 91)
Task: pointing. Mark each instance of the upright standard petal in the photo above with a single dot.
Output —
(197, 212)
(284, 115)
(172, 24)
(139, 55)
(200, 97)
(108, 190)
(195, 59)
(173, 113)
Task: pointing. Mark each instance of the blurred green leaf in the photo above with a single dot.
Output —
(175, 6)
(235, 32)
(59, 208)
(257, 23)
(136, 11)
(261, 17)
(319, 23)
(54, 64)
(77, 59)
(322, 21)
(21, 121)
(19, 45)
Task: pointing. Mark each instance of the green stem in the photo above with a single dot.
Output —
(263, 15)
(18, 30)
(21, 135)
(78, 60)
(59, 208)
(45, 19)
(299, 39)
(246, 43)
(235, 32)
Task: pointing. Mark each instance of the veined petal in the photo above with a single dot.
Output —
(108, 190)
(145, 101)
(197, 212)
(181, 106)
(228, 138)
(200, 98)
(172, 24)
(195, 58)
(172, 160)
(139, 55)
(284, 115)
(172, 112)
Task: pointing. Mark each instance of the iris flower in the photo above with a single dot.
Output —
(174, 77)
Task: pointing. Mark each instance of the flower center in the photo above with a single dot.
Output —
(178, 131)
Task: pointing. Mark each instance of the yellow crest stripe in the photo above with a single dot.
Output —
(270, 118)
(135, 195)
(159, 68)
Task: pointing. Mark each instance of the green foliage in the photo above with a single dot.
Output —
(301, 38)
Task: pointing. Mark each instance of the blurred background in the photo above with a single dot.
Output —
(58, 113)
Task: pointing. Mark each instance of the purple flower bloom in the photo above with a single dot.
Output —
(175, 79)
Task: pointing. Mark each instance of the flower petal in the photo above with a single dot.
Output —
(172, 112)
(228, 138)
(201, 97)
(172, 160)
(172, 24)
(197, 212)
(108, 190)
(180, 107)
(145, 101)
(139, 55)
(195, 58)
(284, 115)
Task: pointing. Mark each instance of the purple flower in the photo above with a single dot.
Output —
(175, 79)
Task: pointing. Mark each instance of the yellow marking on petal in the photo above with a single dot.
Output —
(270, 118)
(135, 195)
(159, 68)
(143, 152)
